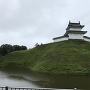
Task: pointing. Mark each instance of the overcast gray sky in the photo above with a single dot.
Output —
(27, 22)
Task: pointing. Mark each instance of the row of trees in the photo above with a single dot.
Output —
(7, 48)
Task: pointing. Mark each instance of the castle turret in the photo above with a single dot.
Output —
(73, 31)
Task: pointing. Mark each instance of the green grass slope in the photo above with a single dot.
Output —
(66, 57)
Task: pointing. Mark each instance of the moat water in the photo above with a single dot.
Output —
(25, 78)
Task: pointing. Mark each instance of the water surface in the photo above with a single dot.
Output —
(25, 78)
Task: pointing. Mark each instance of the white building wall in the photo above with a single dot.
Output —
(61, 39)
(75, 36)
(86, 39)
(75, 29)
(72, 36)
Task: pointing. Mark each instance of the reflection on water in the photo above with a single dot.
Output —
(14, 79)
(25, 78)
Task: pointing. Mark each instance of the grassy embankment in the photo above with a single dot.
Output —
(66, 57)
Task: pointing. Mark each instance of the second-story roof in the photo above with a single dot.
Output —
(74, 25)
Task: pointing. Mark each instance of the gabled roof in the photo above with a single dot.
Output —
(75, 32)
(86, 37)
(59, 37)
(74, 25)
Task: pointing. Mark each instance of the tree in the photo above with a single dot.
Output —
(17, 47)
(23, 47)
(5, 49)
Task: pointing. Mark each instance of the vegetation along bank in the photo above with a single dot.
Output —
(65, 57)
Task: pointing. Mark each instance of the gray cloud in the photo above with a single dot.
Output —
(26, 22)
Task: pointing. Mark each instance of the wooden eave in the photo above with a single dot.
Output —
(59, 37)
(74, 26)
(76, 32)
(86, 37)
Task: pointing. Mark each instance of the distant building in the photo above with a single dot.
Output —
(73, 31)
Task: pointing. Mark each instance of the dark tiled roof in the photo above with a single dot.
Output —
(74, 25)
(76, 32)
(86, 37)
(59, 37)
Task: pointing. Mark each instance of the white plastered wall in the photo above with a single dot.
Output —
(75, 36)
(75, 29)
(86, 39)
(61, 39)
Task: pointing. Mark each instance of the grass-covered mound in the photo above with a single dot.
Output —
(66, 57)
